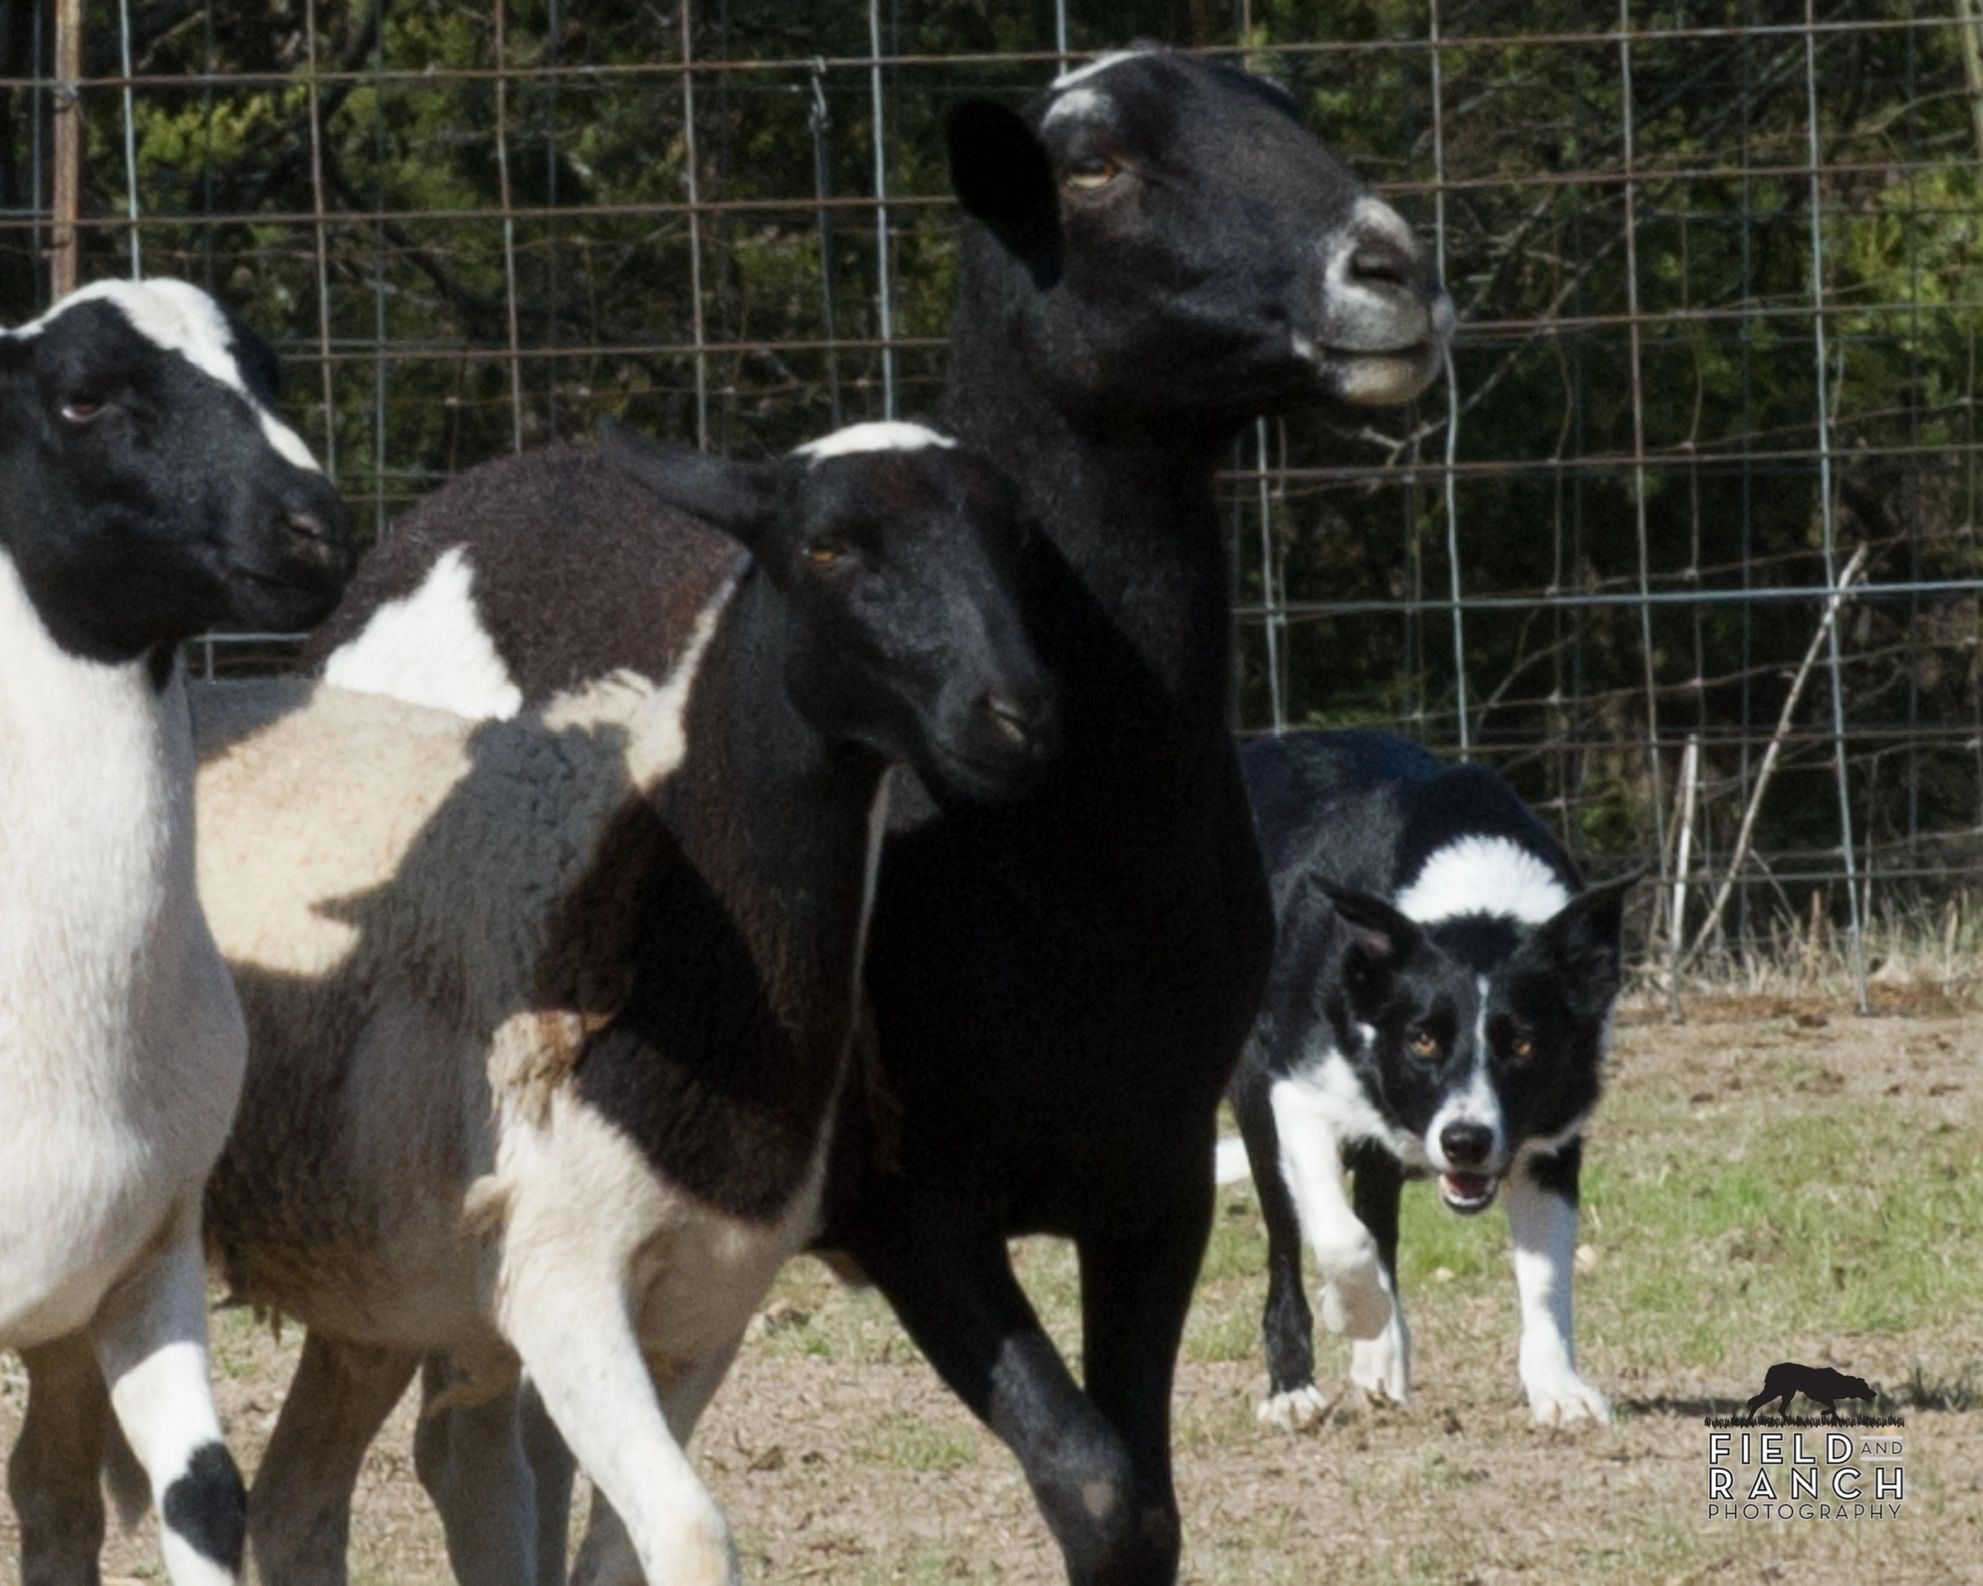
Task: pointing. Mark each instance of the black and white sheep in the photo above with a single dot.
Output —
(150, 494)
(1153, 252)
(547, 1017)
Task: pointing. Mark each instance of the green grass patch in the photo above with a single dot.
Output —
(909, 1442)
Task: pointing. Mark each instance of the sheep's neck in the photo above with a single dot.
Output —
(1137, 626)
(96, 839)
(725, 1058)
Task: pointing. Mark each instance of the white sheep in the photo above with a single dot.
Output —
(121, 1041)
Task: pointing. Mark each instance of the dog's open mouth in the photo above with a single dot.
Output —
(1467, 1193)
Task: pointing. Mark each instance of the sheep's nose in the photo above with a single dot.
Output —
(313, 527)
(1378, 261)
(1025, 719)
(315, 536)
(1466, 1144)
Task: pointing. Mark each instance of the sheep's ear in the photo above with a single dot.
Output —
(741, 499)
(1002, 177)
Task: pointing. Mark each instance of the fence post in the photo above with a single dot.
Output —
(68, 151)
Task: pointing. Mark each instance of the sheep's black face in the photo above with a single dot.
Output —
(899, 560)
(903, 570)
(1188, 247)
(152, 493)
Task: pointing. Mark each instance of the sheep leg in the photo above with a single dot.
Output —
(151, 1343)
(946, 1272)
(606, 1557)
(301, 1506)
(473, 1463)
(579, 1346)
(552, 1470)
(52, 1474)
(1135, 1291)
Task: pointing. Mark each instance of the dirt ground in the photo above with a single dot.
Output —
(1793, 1185)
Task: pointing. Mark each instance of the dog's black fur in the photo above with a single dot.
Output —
(1439, 1004)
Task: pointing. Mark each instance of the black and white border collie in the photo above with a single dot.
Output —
(1440, 1004)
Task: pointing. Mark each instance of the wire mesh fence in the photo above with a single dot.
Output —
(1687, 545)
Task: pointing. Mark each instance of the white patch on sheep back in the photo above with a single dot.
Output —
(430, 648)
(884, 435)
(176, 316)
(1080, 74)
(662, 744)
(1483, 875)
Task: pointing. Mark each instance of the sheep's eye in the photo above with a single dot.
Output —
(82, 410)
(1424, 1044)
(1522, 1047)
(824, 553)
(1091, 174)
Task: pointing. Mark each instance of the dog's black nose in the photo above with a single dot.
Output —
(1466, 1144)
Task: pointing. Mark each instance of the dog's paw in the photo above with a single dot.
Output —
(1300, 1409)
(1562, 1398)
(1354, 1298)
(1380, 1367)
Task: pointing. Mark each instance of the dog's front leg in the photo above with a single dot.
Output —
(1355, 1294)
(1381, 1367)
(1542, 1219)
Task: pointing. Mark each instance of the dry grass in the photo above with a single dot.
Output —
(1918, 960)
(1798, 1185)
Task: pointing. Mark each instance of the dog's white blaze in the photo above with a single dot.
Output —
(882, 435)
(1080, 74)
(1478, 1103)
(176, 316)
(430, 648)
(1483, 875)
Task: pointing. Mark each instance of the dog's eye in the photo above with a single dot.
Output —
(82, 410)
(1424, 1044)
(1522, 1048)
(825, 552)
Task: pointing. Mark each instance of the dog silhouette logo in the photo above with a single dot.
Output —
(1819, 1384)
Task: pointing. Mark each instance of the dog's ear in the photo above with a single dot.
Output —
(1583, 944)
(1377, 939)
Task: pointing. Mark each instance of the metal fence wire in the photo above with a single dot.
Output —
(1687, 545)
